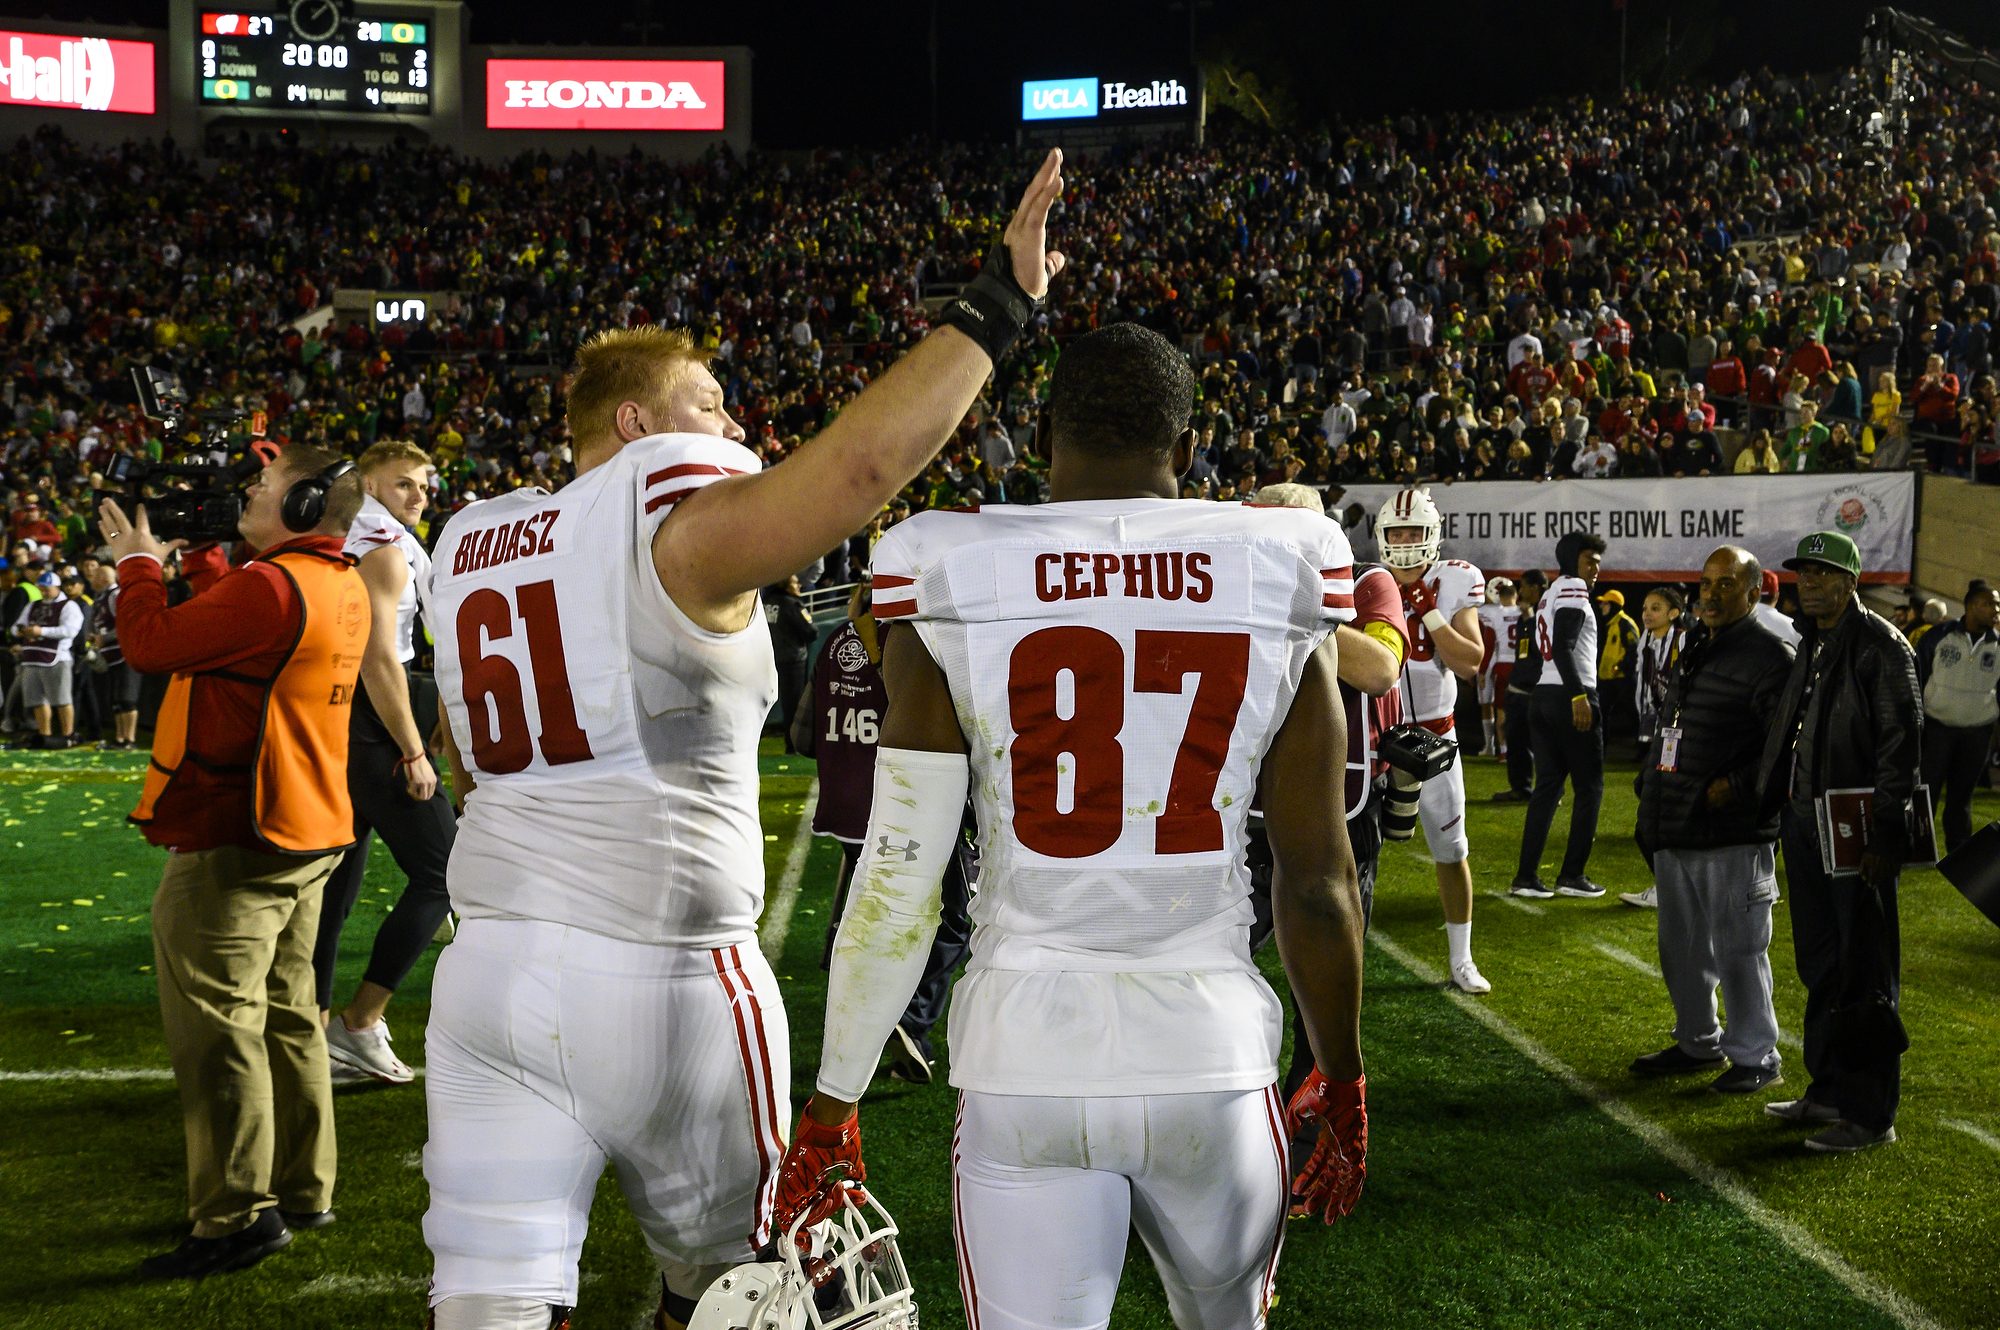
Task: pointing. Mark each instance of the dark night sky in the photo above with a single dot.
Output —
(851, 73)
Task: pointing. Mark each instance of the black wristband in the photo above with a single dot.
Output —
(993, 308)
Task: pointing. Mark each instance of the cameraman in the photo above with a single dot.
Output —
(247, 790)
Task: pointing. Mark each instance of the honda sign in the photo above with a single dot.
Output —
(604, 94)
(47, 71)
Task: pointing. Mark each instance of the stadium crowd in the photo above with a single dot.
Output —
(1750, 277)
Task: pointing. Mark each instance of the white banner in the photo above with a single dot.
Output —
(1662, 530)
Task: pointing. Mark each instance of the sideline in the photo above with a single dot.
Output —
(776, 925)
(1665, 1144)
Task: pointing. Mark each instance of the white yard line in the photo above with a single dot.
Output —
(777, 924)
(1646, 967)
(1668, 1147)
(1626, 959)
(1980, 1134)
(1507, 898)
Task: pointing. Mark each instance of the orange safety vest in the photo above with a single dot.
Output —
(299, 800)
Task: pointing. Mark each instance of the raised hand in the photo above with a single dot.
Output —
(1027, 233)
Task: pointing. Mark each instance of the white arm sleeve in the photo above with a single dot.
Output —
(892, 911)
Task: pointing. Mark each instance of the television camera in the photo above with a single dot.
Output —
(195, 501)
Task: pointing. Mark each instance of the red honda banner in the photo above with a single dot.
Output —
(604, 94)
(45, 69)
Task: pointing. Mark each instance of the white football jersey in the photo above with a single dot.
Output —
(1119, 669)
(613, 741)
(374, 527)
(1430, 689)
(1496, 629)
(1566, 593)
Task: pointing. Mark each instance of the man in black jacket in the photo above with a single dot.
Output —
(1713, 849)
(1850, 718)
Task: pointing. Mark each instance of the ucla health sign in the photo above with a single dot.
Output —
(1059, 99)
(1087, 98)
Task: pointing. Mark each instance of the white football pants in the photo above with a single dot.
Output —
(553, 1051)
(1045, 1190)
(1441, 810)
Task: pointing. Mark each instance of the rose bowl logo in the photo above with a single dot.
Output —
(1845, 509)
(851, 656)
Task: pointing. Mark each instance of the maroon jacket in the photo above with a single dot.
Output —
(848, 702)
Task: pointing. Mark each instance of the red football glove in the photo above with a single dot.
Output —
(820, 1162)
(1330, 1183)
(1420, 598)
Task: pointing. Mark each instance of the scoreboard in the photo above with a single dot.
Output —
(364, 66)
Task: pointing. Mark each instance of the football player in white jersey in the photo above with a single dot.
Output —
(1443, 598)
(1499, 619)
(389, 773)
(606, 673)
(1116, 674)
(1567, 723)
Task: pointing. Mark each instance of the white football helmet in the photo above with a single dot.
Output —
(857, 1280)
(1410, 508)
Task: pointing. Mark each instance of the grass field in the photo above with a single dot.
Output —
(1518, 1176)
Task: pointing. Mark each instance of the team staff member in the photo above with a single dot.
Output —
(247, 792)
(1851, 718)
(1958, 665)
(1713, 850)
(1520, 690)
(1617, 666)
(118, 685)
(1566, 724)
(389, 773)
(46, 632)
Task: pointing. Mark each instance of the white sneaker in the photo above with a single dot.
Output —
(1649, 899)
(346, 1075)
(1466, 978)
(366, 1051)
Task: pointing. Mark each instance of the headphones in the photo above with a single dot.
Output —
(305, 501)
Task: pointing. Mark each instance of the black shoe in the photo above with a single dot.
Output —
(1578, 886)
(196, 1257)
(1846, 1137)
(1530, 887)
(911, 1058)
(1511, 797)
(1674, 1061)
(1803, 1109)
(1745, 1080)
(300, 1220)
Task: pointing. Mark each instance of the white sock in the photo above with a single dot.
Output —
(1458, 937)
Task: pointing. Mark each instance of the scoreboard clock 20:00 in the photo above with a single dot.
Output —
(277, 61)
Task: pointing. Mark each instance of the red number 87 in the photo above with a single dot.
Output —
(1089, 736)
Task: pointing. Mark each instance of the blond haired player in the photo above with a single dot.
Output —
(1442, 599)
(1116, 675)
(606, 673)
(389, 774)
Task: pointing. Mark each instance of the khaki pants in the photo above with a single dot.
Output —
(233, 933)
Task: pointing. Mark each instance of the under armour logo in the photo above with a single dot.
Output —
(908, 849)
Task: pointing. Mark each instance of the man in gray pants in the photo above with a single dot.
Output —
(1713, 853)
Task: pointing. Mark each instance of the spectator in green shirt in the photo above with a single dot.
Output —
(1804, 441)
